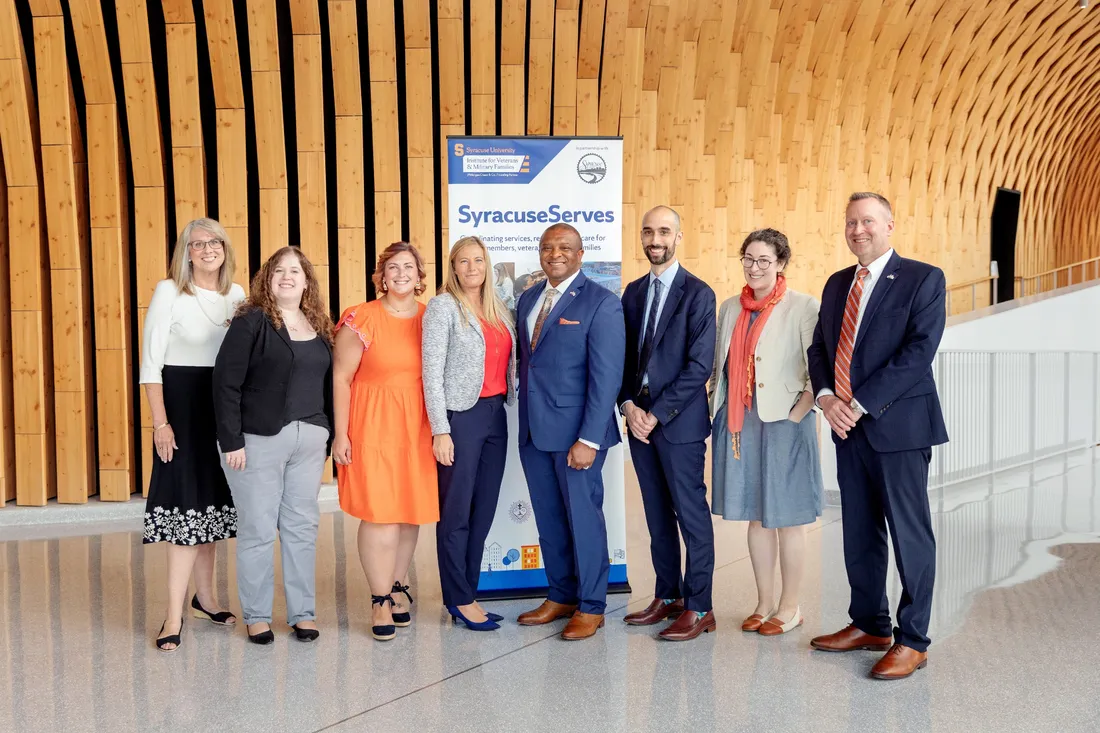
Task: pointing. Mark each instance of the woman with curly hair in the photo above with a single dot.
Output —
(273, 401)
(383, 442)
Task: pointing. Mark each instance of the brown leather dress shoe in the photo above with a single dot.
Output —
(850, 639)
(545, 613)
(689, 626)
(654, 612)
(582, 626)
(899, 663)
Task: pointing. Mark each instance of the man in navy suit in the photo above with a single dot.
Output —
(670, 341)
(571, 343)
(871, 367)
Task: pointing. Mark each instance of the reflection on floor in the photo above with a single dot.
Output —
(1013, 628)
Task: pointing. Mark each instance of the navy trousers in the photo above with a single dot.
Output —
(468, 493)
(568, 505)
(675, 497)
(876, 490)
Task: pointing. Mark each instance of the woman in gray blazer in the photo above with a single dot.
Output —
(766, 466)
(469, 348)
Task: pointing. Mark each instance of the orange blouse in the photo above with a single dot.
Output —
(498, 353)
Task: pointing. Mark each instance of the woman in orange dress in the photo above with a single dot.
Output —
(383, 441)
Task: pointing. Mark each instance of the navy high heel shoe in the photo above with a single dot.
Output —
(494, 616)
(486, 625)
(402, 618)
(383, 632)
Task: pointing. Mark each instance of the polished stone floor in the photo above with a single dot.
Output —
(1014, 629)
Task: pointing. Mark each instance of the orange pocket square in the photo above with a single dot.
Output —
(567, 322)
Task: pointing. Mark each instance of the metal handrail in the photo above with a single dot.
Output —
(973, 286)
(1032, 284)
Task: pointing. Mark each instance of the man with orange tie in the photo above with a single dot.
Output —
(871, 366)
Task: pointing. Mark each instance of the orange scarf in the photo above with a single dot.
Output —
(742, 370)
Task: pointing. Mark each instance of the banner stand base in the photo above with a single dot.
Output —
(509, 594)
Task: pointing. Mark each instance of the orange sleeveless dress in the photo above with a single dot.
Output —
(392, 474)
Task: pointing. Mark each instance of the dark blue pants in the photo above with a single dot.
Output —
(468, 493)
(675, 497)
(568, 505)
(877, 490)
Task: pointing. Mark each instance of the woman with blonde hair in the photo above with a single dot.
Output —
(273, 399)
(189, 505)
(469, 348)
(383, 443)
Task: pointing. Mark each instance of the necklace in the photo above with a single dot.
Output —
(391, 309)
(297, 327)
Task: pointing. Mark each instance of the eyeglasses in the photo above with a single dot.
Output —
(763, 264)
(199, 245)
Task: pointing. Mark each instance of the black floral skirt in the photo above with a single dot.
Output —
(189, 501)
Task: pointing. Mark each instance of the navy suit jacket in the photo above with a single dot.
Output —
(891, 372)
(681, 358)
(568, 384)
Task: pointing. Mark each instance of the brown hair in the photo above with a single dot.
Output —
(774, 238)
(313, 307)
(861, 195)
(388, 254)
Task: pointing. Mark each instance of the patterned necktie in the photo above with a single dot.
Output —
(843, 366)
(650, 329)
(547, 304)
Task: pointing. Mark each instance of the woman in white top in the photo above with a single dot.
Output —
(189, 505)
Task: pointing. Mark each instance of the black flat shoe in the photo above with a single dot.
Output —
(171, 639)
(221, 618)
(306, 634)
(402, 618)
(264, 637)
(387, 631)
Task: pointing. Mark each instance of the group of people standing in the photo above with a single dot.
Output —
(250, 394)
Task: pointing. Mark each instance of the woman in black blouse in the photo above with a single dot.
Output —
(273, 402)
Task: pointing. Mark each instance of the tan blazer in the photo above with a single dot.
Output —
(781, 369)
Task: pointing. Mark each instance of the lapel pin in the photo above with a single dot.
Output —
(573, 293)
(891, 276)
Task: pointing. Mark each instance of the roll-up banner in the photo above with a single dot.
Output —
(507, 191)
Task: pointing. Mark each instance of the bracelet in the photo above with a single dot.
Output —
(158, 427)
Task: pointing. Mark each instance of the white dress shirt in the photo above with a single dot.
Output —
(667, 278)
(875, 270)
(533, 316)
(562, 288)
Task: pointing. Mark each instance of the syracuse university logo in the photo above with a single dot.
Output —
(591, 168)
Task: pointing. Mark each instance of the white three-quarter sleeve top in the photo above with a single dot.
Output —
(184, 330)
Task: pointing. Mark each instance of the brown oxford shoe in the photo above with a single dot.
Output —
(850, 639)
(899, 663)
(689, 626)
(544, 614)
(654, 612)
(582, 626)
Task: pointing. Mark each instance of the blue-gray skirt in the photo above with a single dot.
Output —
(777, 481)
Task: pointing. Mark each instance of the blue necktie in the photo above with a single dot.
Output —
(650, 329)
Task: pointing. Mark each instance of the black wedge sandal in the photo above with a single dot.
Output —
(403, 618)
(221, 618)
(162, 641)
(387, 631)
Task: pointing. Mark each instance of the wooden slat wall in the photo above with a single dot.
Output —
(28, 272)
(267, 109)
(64, 174)
(150, 205)
(108, 200)
(739, 114)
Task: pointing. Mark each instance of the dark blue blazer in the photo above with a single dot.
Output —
(892, 360)
(681, 358)
(568, 385)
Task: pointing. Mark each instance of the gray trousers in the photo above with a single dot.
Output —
(277, 490)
